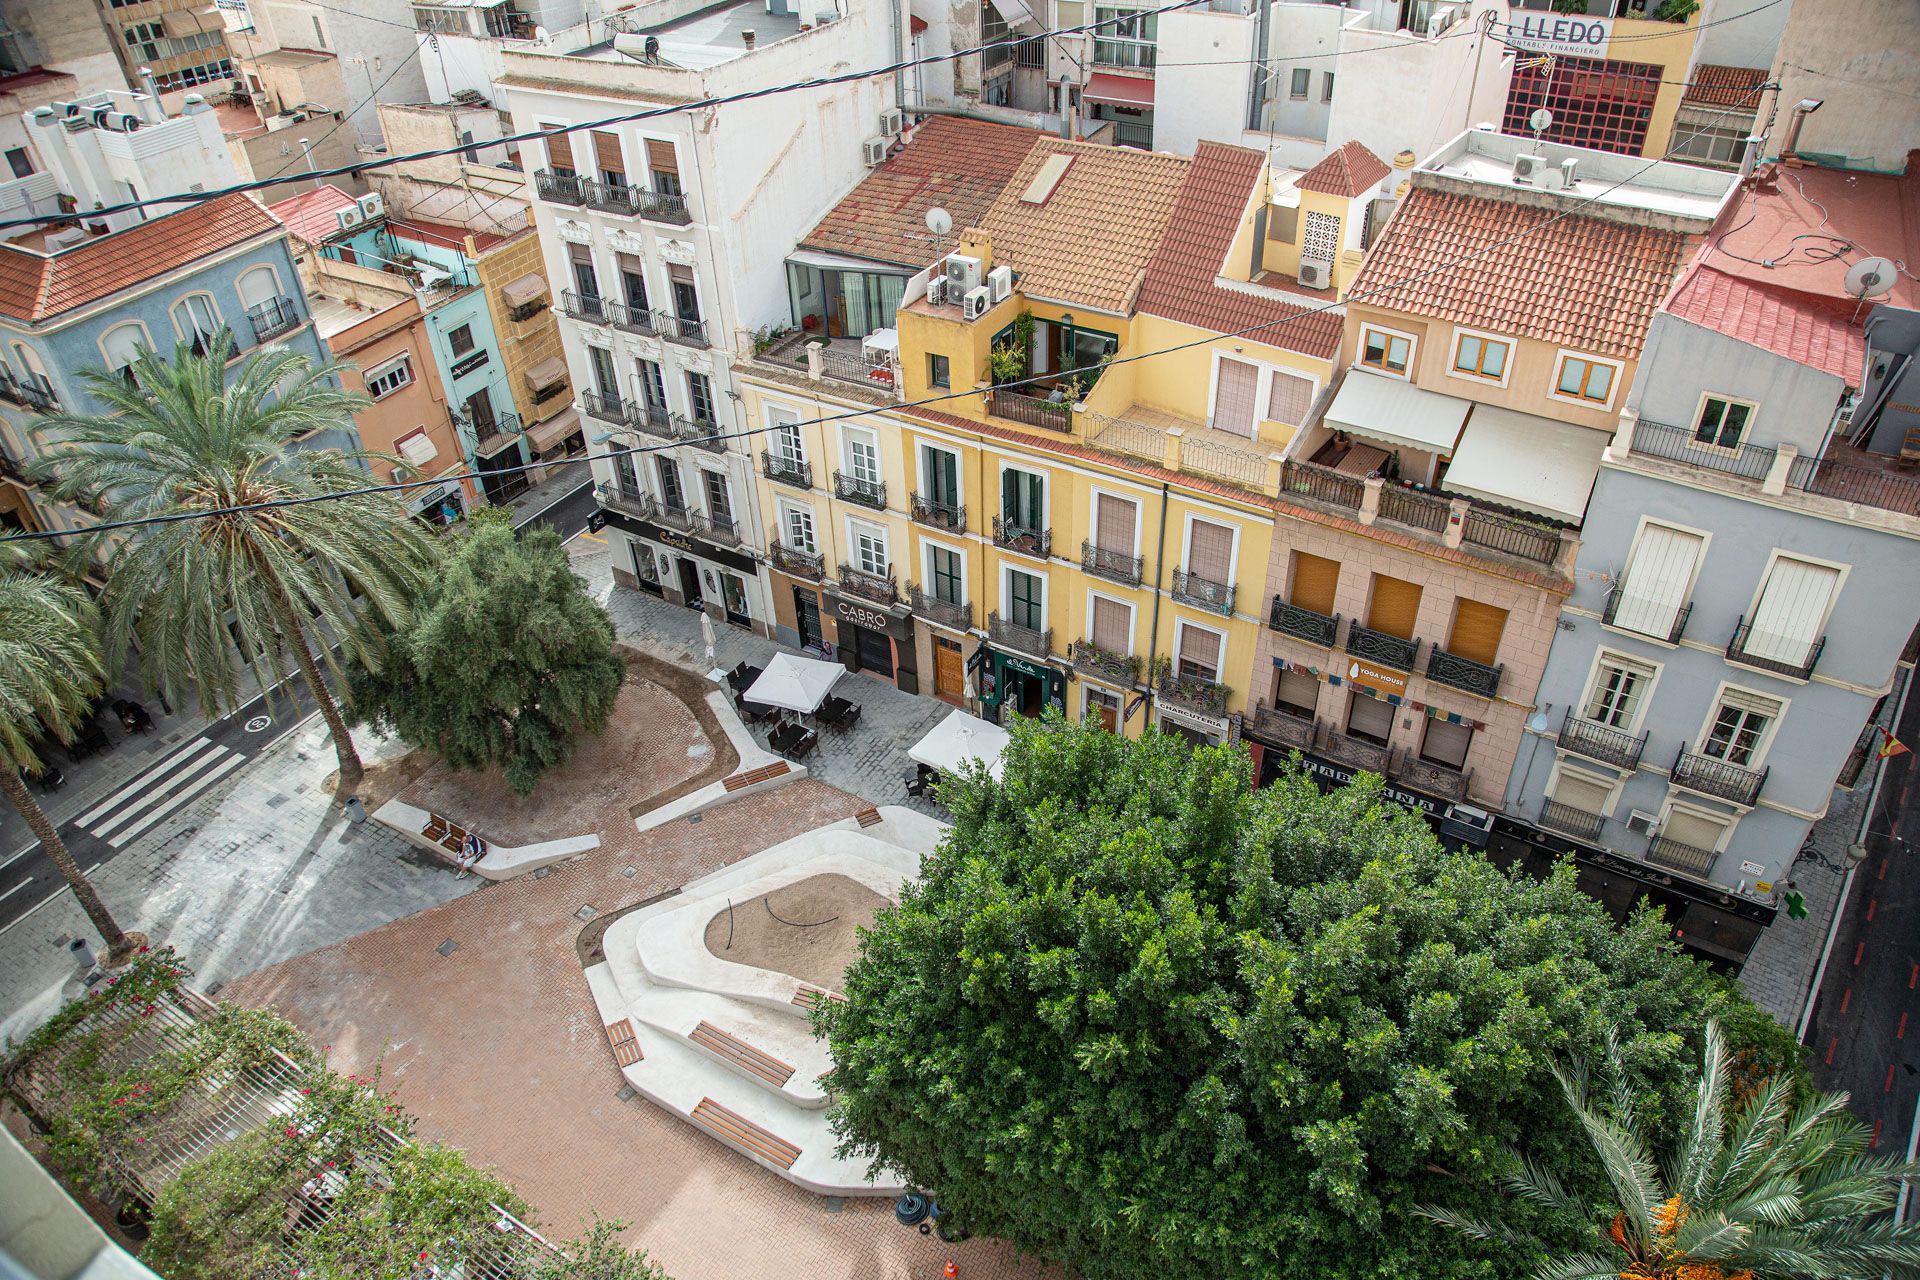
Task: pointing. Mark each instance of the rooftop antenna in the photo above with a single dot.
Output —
(1540, 121)
(1870, 278)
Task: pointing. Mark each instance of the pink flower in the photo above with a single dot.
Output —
(291, 1131)
(143, 951)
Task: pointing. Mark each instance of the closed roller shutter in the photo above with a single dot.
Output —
(1693, 830)
(1476, 631)
(606, 152)
(1112, 625)
(1113, 525)
(660, 157)
(1577, 791)
(1199, 652)
(1210, 551)
(1289, 399)
(1395, 607)
(1234, 391)
(559, 152)
(1658, 578)
(1446, 743)
(1315, 579)
(1792, 609)
(679, 273)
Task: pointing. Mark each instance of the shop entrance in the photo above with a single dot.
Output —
(949, 670)
(871, 650)
(806, 619)
(690, 585)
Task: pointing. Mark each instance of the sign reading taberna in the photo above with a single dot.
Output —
(1570, 35)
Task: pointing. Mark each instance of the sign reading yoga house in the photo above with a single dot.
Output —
(1569, 35)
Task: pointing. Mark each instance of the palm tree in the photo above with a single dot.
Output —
(1761, 1188)
(50, 672)
(183, 447)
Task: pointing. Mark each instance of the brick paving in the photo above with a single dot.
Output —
(499, 1049)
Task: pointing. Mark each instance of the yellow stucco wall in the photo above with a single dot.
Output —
(525, 343)
(1666, 44)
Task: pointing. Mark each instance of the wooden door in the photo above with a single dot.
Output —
(949, 670)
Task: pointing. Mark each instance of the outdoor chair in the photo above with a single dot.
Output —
(916, 781)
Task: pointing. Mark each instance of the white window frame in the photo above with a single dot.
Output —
(107, 359)
(1413, 351)
(923, 473)
(1186, 544)
(1766, 574)
(1562, 767)
(279, 291)
(1767, 739)
(1046, 486)
(787, 507)
(1453, 357)
(855, 529)
(1676, 802)
(1560, 359)
(399, 363)
(1093, 513)
(1265, 372)
(927, 547)
(186, 334)
(1180, 628)
(1693, 581)
(850, 434)
(1007, 570)
(1133, 616)
(1293, 78)
(1699, 410)
(772, 415)
(1619, 658)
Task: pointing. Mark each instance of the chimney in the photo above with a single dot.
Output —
(1066, 106)
(151, 108)
(1801, 110)
(746, 38)
(976, 243)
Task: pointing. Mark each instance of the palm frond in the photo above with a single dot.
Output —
(1700, 1149)
(1480, 1229)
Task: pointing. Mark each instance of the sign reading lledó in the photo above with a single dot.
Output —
(1568, 35)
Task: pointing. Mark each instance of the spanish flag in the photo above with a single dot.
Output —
(1891, 746)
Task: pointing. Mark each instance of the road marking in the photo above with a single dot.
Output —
(143, 782)
(591, 537)
(1901, 1034)
(1883, 869)
(17, 888)
(16, 857)
(212, 776)
(1913, 977)
(1876, 1133)
(183, 778)
(49, 898)
(1873, 905)
(1846, 998)
(1889, 1088)
(1859, 950)
(1831, 1046)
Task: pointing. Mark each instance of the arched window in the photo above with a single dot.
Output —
(122, 345)
(196, 320)
(268, 311)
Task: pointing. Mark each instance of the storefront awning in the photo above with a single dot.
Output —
(1119, 91)
(1519, 460)
(1395, 413)
(544, 435)
(525, 291)
(546, 373)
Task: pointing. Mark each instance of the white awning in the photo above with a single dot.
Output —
(1397, 414)
(794, 683)
(1533, 463)
(958, 739)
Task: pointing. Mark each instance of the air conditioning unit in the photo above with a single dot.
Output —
(893, 121)
(124, 122)
(1000, 283)
(372, 205)
(1316, 273)
(1527, 168)
(1642, 823)
(975, 304)
(348, 218)
(873, 152)
(1570, 171)
(937, 291)
(100, 116)
(963, 273)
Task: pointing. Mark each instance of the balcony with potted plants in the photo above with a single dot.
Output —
(796, 562)
(868, 493)
(1090, 659)
(1194, 693)
(786, 470)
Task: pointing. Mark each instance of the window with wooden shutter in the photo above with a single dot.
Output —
(679, 273)
(1199, 653)
(606, 154)
(1792, 610)
(1446, 743)
(1233, 393)
(1695, 830)
(1112, 625)
(1315, 579)
(661, 158)
(1289, 398)
(1210, 551)
(1659, 576)
(1295, 691)
(1476, 631)
(1579, 791)
(559, 152)
(1113, 524)
(1395, 607)
(1369, 718)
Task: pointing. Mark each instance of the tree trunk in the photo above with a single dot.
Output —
(118, 944)
(351, 769)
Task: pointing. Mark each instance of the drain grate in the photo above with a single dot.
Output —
(213, 988)
(630, 872)
(542, 873)
(627, 1093)
(585, 913)
(448, 947)
(693, 819)
(278, 799)
(836, 1203)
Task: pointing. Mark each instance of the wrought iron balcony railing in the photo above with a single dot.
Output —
(1193, 693)
(1203, 593)
(622, 497)
(1611, 616)
(1115, 566)
(687, 331)
(951, 516)
(1569, 821)
(1721, 779)
(1379, 646)
(1355, 753)
(624, 315)
(590, 307)
(794, 471)
(272, 318)
(611, 197)
(654, 419)
(661, 206)
(1601, 742)
(795, 562)
(1014, 635)
(605, 408)
(945, 612)
(559, 188)
(1463, 673)
(877, 587)
(698, 431)
(1739, 649)
(1435, 779)
(30, 391)
(1681, 857)
(1104, 664)
(868, 493)
(1304, 624)
(1009, 536)
(1283, 728)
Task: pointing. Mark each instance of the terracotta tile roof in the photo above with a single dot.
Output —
(1089, 241)
(1587, 283)
(1348, 171)
(1718, 86)
(309, 215)
(1813, 331)
(1181, 275)
(955, 164)
(35, 286)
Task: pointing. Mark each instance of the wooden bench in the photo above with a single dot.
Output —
(808, 997)
(626, 1047)
(868, 817)
(764, 773)
(738, 1131)
(741, 1054)
(448, 835)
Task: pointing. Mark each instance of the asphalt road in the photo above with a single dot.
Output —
(1866, 1023)
(568, 515)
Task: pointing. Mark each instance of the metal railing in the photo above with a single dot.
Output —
(491, 436)
(1193, 693)
(1014, 635)
(1322, 484)
(1511, 535)
(629, 317)
(661, 206)
(611, 197)
(1355, 753)
(878, 587)
(939, 515)
(868, 493)
(1239, 467)
(590, 307)
(1601, 742)
(687, 332)
(272, 318)
(1009, 536)
(674, 512)
(1304, 624)
(605, 408)
(1379, 646)
(1681, 857)
(846, 367)
(1282, 727)
(1844, 482)
(1104, 664)
(794, 561)
(1737, 651)
(1678, 444)
(1413, 508)
(1131, 133)
(654, 419)
(700, 432)
(1115, 566)
(794, 471)
(620, 497)
(1139, 55)
(945, 612)
(1721, 779)
(719, 526)
(1203, 593)
(1032, 411)
(1441, 780)
(31, 391)
(1463, 673)
(559, 188)
(1569, 821)
(1610, 616)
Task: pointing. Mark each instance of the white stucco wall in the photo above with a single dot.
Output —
(1740, 33)
(1863, 54)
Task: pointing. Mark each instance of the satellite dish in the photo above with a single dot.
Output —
(539, 33)
(1871, 278)
(1541, 120)
(939, 221)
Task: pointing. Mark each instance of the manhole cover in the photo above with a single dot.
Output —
(630, 872)
(213, 988)
(693, 819)
(278, 800)
(258, 723)
(542, 873)
(585, 913)
(836, 1203)
(448, 947)
(627, 1093)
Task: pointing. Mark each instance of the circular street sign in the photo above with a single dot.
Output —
(258, 723)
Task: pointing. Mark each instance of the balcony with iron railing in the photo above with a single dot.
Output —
(621, 497)
(1482, 528)
(950, 516)
(1680, 857)
(868, 493)
(611, 197)
(877, 587)
(1842, 472)
(29, 391)
(1443, 780)
(1610, 615)
(588, 307)
(1463, 673)
(661, 206)
(1382, 647)
(1721, 779)
(653, 419)
(1114, 566)
(1796, 665)
(1570, 821)
(796, 562)
(688, 331)
(701, 432)
(1013, 635)
(1304, 624)
(1031, 411)
(1355, 752)
(1282, 727)
(787, 470)
(1090, 659)
(10, 468)
(559, 188)
(851, 362)
(492, 435)
(944, 612)
(606, 408)
(272, 318)
(1198, 694)
(1601, 742)
(1009, 536)
(1203, 593)
(632, 319)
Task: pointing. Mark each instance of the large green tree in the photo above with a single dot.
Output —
(1146, 1021)
(506, 661)
(258, 544)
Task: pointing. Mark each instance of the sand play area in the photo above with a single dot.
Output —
(805, 929)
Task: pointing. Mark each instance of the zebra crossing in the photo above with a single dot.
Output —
(135, 808)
